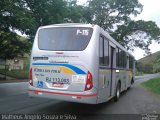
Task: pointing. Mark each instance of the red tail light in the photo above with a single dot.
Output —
(89, 82)
(30, 77)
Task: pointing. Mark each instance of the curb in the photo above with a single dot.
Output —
(13, 81)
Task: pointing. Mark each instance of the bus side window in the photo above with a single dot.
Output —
(124, 59)
(130, 62)
(121, 58)
(117, 57)
(106, 52)
(101, 50)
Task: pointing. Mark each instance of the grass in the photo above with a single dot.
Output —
(19, 74)
(153, 85)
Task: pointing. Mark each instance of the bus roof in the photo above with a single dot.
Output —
(69, 25)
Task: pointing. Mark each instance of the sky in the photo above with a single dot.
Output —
(151, 11)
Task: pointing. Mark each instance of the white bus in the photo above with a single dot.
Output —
(79, 63)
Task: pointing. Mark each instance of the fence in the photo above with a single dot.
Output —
(3, 69)
(14, 69)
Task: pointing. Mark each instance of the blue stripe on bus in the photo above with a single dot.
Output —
(75, 69)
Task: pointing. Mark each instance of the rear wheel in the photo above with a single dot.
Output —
(132, 81)
(117, 94)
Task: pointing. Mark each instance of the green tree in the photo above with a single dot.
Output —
(45, 12)
(115, 16)
(13, 17)
(12, 45)
(26, 16)
(139, 67)
(144, 68)
(137, 34)
(148, 68)
(54, 12)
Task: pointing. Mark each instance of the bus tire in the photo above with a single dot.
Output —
(132, 81)
(117, 93)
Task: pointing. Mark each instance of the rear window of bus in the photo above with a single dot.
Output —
(64, 38)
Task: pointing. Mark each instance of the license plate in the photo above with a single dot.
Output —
(57, 80)
(57, 85)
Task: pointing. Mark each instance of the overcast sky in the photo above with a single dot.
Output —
(151, 11)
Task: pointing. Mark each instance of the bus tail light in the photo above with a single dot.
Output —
(89, 82)
(30, 77)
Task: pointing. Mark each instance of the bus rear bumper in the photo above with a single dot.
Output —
(79, 97)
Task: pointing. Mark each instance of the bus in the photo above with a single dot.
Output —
(79, 63)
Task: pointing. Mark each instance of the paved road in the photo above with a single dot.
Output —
(14, 99)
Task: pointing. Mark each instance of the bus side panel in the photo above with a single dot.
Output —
(122, 76)
(127, 80)
(104, 85)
